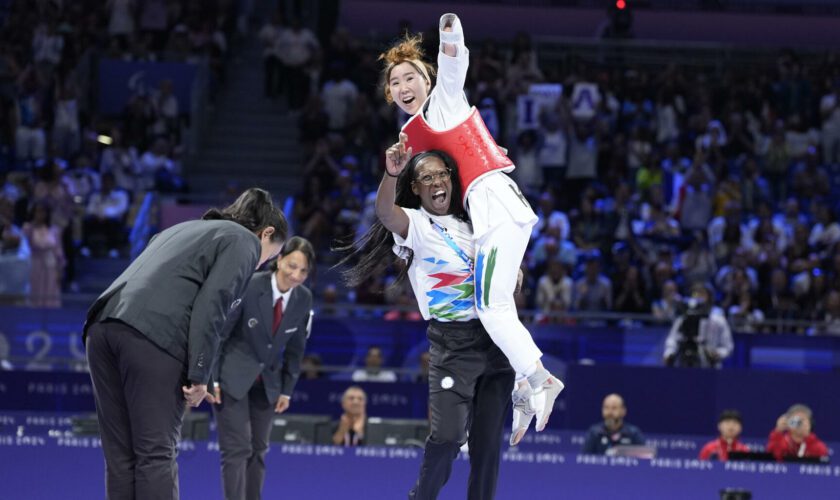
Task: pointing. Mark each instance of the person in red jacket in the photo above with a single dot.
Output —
(729, 426)
(792, 436)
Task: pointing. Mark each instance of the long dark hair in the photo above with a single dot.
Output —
(297, 244)
(255, 211)
(374, 248)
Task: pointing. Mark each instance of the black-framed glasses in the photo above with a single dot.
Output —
(429, 179)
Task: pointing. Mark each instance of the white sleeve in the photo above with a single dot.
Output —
(413, 237)
(447, 99)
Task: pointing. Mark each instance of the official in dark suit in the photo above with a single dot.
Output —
(152, 336)
(259, 365)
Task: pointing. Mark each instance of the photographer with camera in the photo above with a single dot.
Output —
(793, 436)
(700, 336)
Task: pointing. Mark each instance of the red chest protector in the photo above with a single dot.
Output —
(469, 143)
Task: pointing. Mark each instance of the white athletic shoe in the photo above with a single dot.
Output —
(548, 393)
(523, 412)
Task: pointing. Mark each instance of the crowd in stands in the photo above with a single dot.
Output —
(646, 181)
(69, 172)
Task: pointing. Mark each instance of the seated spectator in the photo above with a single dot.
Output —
(14, 252)
(81, 179)
(831, 320)
(727, 232)
(105, 218)
(754, 187)
(697, 262)
(350, 428)
(729, 427)
(826, 230)
(701, 337)
(810, 180)
(667, 306)
(789, 218)
(613, 431)
(744, 313)
(165, 111)
(587, 227)
(727, 277)
(794, 437)
(157, 170)
(310, 367)
(593, 292)
(548, 216)
(8, 188)
(630, 293)
(777, 299)
(554, 291)
(121, 161)
(373, 372)
(695, 200)
(11, 236)
(549, 246)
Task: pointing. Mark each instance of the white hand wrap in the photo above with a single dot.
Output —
(456, 36)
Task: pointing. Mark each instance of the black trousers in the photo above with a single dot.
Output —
(244, 428)
(140, 407)
(470, 382)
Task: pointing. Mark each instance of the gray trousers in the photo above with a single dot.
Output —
(470, 383)
(140, 407)
(244, 427)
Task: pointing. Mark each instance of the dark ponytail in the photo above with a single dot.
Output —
(255, 211)
(375, 248)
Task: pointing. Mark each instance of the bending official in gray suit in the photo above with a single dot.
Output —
(152, 336)
(259, 365)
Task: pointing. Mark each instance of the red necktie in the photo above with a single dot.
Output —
(278, 315)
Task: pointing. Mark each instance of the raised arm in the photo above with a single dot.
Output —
(389, 213)
(453, 62)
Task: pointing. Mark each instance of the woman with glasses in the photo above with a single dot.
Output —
(501, 217)
(422, 220)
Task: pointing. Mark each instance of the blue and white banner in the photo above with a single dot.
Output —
(62, 466)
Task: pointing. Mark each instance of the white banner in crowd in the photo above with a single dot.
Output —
(529, 106)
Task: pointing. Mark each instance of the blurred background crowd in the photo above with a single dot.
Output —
(651, 176)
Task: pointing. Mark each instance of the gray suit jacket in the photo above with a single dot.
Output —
(250, 348)
(180, 290)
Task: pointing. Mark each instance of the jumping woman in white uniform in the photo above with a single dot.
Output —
(502, 219)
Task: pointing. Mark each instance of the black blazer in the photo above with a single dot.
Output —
(179, 291)
(250, 348)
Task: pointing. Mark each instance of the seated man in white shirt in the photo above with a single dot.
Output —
(373, 372)
(105, 218)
